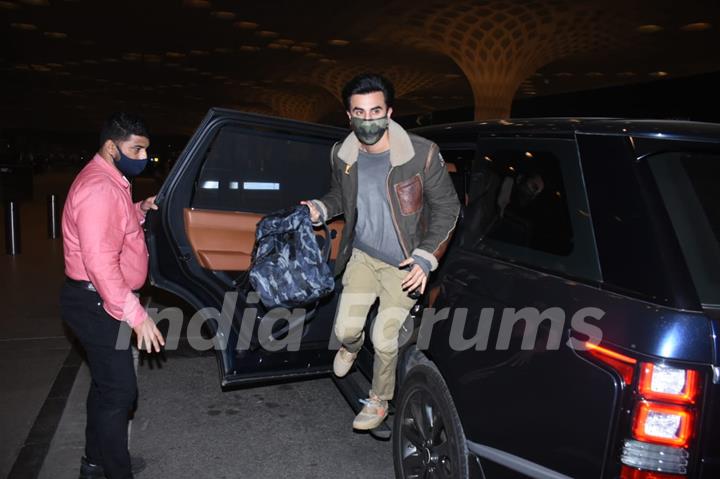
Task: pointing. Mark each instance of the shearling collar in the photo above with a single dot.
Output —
(401, 148)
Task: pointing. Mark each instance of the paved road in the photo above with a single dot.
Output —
(33, 345)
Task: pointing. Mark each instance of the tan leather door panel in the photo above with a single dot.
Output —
(221, 240)
(224, 240)
(338, 226)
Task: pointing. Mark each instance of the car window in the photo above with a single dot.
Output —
(261, 171)
(526, 203)
(458, 161)
(688, 184)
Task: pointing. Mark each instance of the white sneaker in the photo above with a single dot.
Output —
(372, 414)
(344, 360)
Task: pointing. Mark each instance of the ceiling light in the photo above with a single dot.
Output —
(56, 35)
(197, 3)
(696, 27)
(338, 42)
(650, 28)
(564, 74)
(199, 53)
(249, 48)
(174, 55)
(246, 25)
(659, 74)
(40, 68)
(26, 27)
(277, 46)
(267, 34)
(223, 15)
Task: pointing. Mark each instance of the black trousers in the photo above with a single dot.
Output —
(113, 389)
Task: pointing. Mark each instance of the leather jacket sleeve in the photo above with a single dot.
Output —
(442, 200)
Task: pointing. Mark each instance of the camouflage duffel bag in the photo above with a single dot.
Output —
(288, 267)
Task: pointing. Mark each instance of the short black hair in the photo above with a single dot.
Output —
(368, 83)
(120, 126)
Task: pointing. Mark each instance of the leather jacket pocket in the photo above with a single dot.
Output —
(410, 195)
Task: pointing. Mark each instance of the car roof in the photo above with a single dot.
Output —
(567, 128)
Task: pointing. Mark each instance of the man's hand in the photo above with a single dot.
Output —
(148, 204)
(148, 335)
(416, 279)
(314, 212)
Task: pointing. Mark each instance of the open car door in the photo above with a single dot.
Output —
(236, 168)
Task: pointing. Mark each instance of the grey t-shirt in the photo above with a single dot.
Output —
(375, 232)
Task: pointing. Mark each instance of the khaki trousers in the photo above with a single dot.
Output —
(365, 280)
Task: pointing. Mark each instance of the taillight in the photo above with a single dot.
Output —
(663, 419)
(625, 365)
(630, 473)
(664, 424)
(664, 383)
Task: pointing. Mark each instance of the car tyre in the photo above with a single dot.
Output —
(428, 439)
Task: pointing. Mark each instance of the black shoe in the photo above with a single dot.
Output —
(89, 470)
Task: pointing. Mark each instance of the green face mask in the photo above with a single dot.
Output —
(369, 132)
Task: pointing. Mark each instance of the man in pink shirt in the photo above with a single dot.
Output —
(106, 259)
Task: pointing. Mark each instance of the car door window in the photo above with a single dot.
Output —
(526, 203)
(260, 172)
(687, 182)
(458, 160)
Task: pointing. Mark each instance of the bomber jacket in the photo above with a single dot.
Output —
(423, 201)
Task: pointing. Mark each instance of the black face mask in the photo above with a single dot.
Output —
(127, 165)
(369, 132)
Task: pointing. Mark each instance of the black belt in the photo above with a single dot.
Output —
(86, 285)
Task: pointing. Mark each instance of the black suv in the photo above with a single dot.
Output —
(571, 330)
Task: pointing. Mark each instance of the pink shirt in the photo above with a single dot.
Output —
(103, 240)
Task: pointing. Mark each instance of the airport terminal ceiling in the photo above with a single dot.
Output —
(66, 63)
